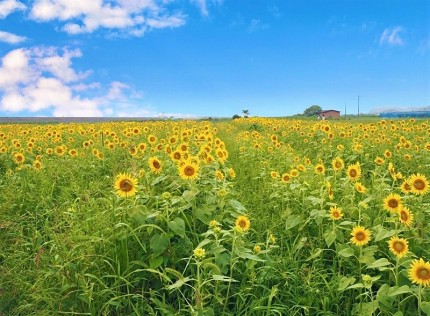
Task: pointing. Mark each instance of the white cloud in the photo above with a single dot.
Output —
(256, 25)
(391, 36)
(203, 5)
(131, 16)
(10, 38)
(9, 6)
(39, 79)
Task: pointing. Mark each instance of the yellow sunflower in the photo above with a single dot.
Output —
(393, 203)
(419, 184)
(419, 272)
(406, 187)
(242, 223)
(398, 246)
(329, 190)
(319, 168)
(199, 253)
(359, 187)
(354, 172)
(37, 164)
(125, 185)
(338, 164)
(189, 170)
(406, 217)
(379, 161)
(274, 174)
(155, 164)
(336, 213)
(19, 158)
(360, 236)
(219, 175)
(286, 177)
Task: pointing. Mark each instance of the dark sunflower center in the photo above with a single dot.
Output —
(338, 164)
(352, 173)
(156, 164)
(419, 184)
(404, 216)
(360, 236)
(242, 223)
(189, 171)
(423, 273)
(177, 156)
(336, 214)
(125, 185)
(399, 246)
(392, 203)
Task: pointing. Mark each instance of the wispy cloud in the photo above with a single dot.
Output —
(9, 6)
(204, 4)
(42, 79)
(133, 17)
(392, 36)
(257, 25)
(10, 38)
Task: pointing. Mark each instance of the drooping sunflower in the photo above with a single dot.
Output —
(360, 236)
(405, 216)
(329, 190)
(242, 223)
(231, 173)
(189, 170)
(393, 203)
(406, 187)
(338, 164)
(125, 185)
(336, 213)
(359, 187)
(419, 184)
(354, 172)
(398, 246)
(155, 165)
(419, 272)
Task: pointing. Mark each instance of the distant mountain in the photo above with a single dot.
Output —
(383, 109)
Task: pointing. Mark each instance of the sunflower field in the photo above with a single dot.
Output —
(252, 216)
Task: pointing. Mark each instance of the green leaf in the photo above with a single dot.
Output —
(179, 283)
(355, 286)
(223, 278)
(384, 233)
(345, 282)
(425, 307)
(315, 254)
(346, 253)
(159, 243)
(383, 262)
(399, 290)
(154, 263)
(292, 221)
(237, 205)
(330, 237)
(177, 226)
(189, 195)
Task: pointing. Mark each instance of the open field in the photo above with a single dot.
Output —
(246, 217)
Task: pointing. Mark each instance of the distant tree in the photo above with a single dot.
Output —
(245, 113)
(312, 110)
(236, 116)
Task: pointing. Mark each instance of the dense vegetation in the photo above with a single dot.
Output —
(247, 217)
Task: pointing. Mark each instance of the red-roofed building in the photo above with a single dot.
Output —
(328, 114)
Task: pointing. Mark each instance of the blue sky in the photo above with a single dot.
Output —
(188, 58)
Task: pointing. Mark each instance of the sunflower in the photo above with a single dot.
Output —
(393, 203)
(406, 187)
(294, 173)
(398, 246)
(189, 170)
(125, 185)
(286, 177)
(242, 224)
(231, 173)
(37, 164)
(379, 161)
(419, 272)
(155, 164)
(360, 236)
(360, 188)
(19, 158)
(219, 175)
(419, 184)
(274, 174)
(406, 217)
(338, 164)
(336, 213)
(354, 172)
(319, 168)
(329, 190)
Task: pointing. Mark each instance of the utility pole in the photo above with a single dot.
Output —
(345, 109)
(358, 106)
